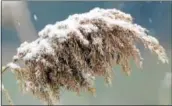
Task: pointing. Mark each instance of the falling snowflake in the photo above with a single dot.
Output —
(150, 20)
(35, 17)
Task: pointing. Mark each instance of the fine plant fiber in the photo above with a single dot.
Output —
(70, 54)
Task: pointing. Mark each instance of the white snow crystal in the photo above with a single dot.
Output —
(13, 66)
(35, 17)
(150, 20)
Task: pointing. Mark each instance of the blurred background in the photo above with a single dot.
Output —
(149, 86)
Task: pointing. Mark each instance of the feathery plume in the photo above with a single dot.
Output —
(71, 53)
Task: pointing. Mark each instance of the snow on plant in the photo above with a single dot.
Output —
(71, 53)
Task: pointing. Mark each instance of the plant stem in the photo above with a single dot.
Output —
(7, 95)
(4, 68)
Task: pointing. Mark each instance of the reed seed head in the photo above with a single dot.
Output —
(70, 54)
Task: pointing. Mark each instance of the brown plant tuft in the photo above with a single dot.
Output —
(71, 53)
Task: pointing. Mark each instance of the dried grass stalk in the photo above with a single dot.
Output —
(7, 95)
(71, 53)
(4, 90)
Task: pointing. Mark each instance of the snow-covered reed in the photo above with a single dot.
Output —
(71, 53)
